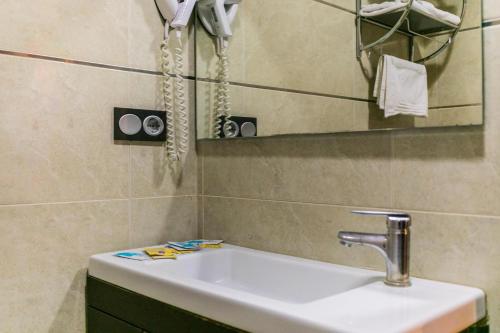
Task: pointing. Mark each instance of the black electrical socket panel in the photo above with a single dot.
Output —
(239, 120)
(141, 135)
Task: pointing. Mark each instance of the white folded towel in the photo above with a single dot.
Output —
(376, 9)
(421, 5)
(401, 87)
(430, 9)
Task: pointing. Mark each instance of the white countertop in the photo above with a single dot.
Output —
(265, 292)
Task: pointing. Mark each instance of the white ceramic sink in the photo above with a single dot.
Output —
(265, 292)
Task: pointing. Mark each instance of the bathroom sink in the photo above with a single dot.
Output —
(265, 292)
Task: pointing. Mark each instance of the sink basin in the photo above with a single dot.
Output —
(275, 277)
(265, 292)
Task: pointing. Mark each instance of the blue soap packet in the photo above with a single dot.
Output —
(189, 245)
(193, 245)
(132, 255)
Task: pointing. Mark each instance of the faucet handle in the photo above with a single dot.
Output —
(396, 220)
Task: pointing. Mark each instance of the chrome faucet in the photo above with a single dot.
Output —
(394, 246)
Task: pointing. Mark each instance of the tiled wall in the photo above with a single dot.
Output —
(292, 195)
(67, 190)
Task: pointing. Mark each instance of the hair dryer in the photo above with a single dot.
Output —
(176, 14)
(218, 15)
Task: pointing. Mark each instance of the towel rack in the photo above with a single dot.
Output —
(409, 22)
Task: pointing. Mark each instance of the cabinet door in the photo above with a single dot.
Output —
(99, 322)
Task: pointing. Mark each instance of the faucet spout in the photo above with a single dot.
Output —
(361, 238)
(394, 246)
(376, 241)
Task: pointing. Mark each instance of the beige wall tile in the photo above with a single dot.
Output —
(459, 249)
(491, 9)
(341, 170)
(158, 220)
(154, 175)
(450, 248)
(369, 117)
(455, 76)
(45, 251)
(473, 14)
(151, 172)
(304, 230)
(267, 54)
(455, 116)
(114, 32)
(454, 171)
(343, 4)
(56, 135)
(448, 171)
(145, 34)
(86, 30)
(277, 112)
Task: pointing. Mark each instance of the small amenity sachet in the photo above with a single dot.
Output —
(171, 250)
(401, 87)
(195, 245)
(133, 256)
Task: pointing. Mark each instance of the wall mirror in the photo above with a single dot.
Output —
(298, 67)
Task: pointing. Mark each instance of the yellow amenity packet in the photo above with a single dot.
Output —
(161, 253)
(211, 246)
(181, 252)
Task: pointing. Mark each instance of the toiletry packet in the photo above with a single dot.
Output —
(196, 244)
(132, 255)
(184, 249)
(210, 242)
(189, 245)
(161, 253)
(211, 246)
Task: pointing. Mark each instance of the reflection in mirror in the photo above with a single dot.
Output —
(292, 67)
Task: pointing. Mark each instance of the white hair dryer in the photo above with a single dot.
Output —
(176, 14)
(218, 15)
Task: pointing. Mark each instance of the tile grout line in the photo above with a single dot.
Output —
(61, 202)
(391, 170)
(323, 2)
(79, 62)
(130, 195)
(496, 217)
(490, 22)
(192, 78)
(203, 195)
(96, 200)
(166, 196)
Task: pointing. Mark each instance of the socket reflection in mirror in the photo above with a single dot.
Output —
(237, 127)
(230, 129)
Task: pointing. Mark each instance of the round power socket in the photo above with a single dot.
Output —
(153, 125)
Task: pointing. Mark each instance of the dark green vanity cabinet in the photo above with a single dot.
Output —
(111, 309)
(481, 327)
